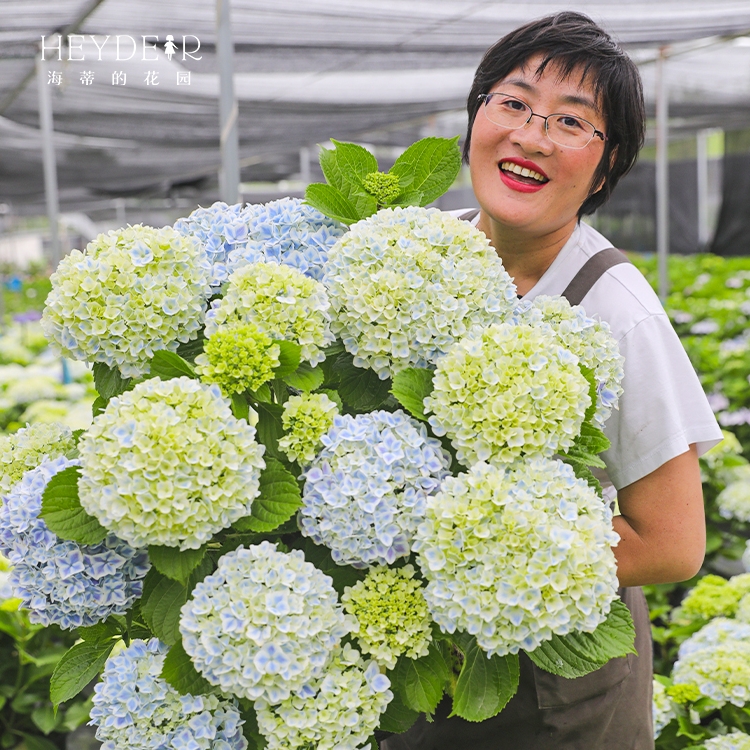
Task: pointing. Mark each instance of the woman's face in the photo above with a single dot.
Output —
(531, 207)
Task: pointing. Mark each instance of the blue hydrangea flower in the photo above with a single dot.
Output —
(63, 582)
(287, 231)
(134, 709)
(365, 492)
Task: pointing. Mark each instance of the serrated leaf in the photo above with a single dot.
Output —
(433, 163)
(289, 358)
(331, 202)
(485, 685)
(345, 166)
(359, 388)
(398, 717)
(582, 471)
(578, 654)
(99, 405)
(99, 632)
(334, 396)
(278, 499)
(45, 718)
(175, 563)
(62, 511)
(180, 672)
(588, 373)
(305, 378)
(240, 407)
(167, 365)
(411, 387)
(269, 427)
(108, 381)
(191, 349)
(77, 668)
(421, 682)
(263, 393)
(411, 198)
(160, 606)
(320, 556)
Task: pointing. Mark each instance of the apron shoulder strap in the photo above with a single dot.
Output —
(590, 272)
(469, 215)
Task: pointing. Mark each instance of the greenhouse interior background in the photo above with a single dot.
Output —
(103, 124)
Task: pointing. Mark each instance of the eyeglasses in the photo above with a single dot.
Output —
(570, 131)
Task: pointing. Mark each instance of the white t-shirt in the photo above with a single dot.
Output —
(663, 408)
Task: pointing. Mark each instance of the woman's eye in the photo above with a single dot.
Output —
(513, 104)
(568, 121)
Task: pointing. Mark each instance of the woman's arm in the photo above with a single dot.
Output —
(662, 524)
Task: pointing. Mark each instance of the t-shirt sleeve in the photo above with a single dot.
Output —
(663, 408)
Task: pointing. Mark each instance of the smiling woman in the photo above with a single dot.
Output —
(556, 118)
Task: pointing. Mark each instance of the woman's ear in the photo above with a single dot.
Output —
(600, 184)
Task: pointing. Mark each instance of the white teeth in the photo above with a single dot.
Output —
(509, 166)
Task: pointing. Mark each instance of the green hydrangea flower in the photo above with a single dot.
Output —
(28, 447)
(684, 693)
(132, 292)
(282, 302)
(385, 187)
(167, 463)
(505, 391)
(306, 419)
(237, 357)
(743, 609)
(392, 614)
(714, 596)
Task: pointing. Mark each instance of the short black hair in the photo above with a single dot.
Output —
(573, 42)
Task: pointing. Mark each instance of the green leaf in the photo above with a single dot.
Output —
(305, 377)
(578, 654)
(412, 198)
(99, 405)
(411, 387)
(77, 668)
(191, 349)
(167, 365)
(108, 381)
(421, 682)
(175, 563)
(331, 202)
(100, 632)
(33, 742)
(588, 373)
(320, 556)
(398, 717)
(345, 166)
(45, 718)
(359, 388)
(433, 163)
(278, 499)
(582, 471)
(270, 427)
(485, 685)
(240, 407)
(180, 672)
(62, 511)
(263, 393)
(334, 396)
(250, 731)
(289, 358)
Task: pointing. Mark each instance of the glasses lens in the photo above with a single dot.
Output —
(506, 111)
(570, 131)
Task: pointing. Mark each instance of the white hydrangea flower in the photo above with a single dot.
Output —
(735, 740)
(717, 660)
(306, 418)
(282, 302)
(746, 556)
(734, 500)
(405, 283)
(662, 708)
(264, 624)
(132, 292)
(167, 463)
(589, 339)
(338, 711)
(515, 554)
(28, 447)
(505, 391)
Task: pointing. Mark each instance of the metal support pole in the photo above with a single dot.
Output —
(48, 157)
(662, 174)
(701, 159)
(229, 176)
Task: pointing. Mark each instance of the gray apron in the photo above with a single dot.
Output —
(609, 709)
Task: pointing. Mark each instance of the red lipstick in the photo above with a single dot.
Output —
(525, 185)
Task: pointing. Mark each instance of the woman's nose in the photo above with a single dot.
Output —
(533, 136)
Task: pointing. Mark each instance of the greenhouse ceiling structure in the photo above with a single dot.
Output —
(131, 119)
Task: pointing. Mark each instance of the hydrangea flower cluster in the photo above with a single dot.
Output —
(406, 283)
(237, 357)
(287, 231)
(135, 709)
(264, 624)
(220, 229)
(743, 609)
(505, 391)
(281, 302)
(58, 581)
(589, 339)
(662, 708)
(365, 492)
(167, 463)
(684, 693)
(132, 292)
(514, 554)
(734, 500)
(717, 660)
(338, 711)
(392, 615)
(714, 596)
(28, 447)
(306, 418)
(735, 740)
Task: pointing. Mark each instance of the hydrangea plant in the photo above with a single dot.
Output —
(735, 740)
(306, 419)
(663, 709)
